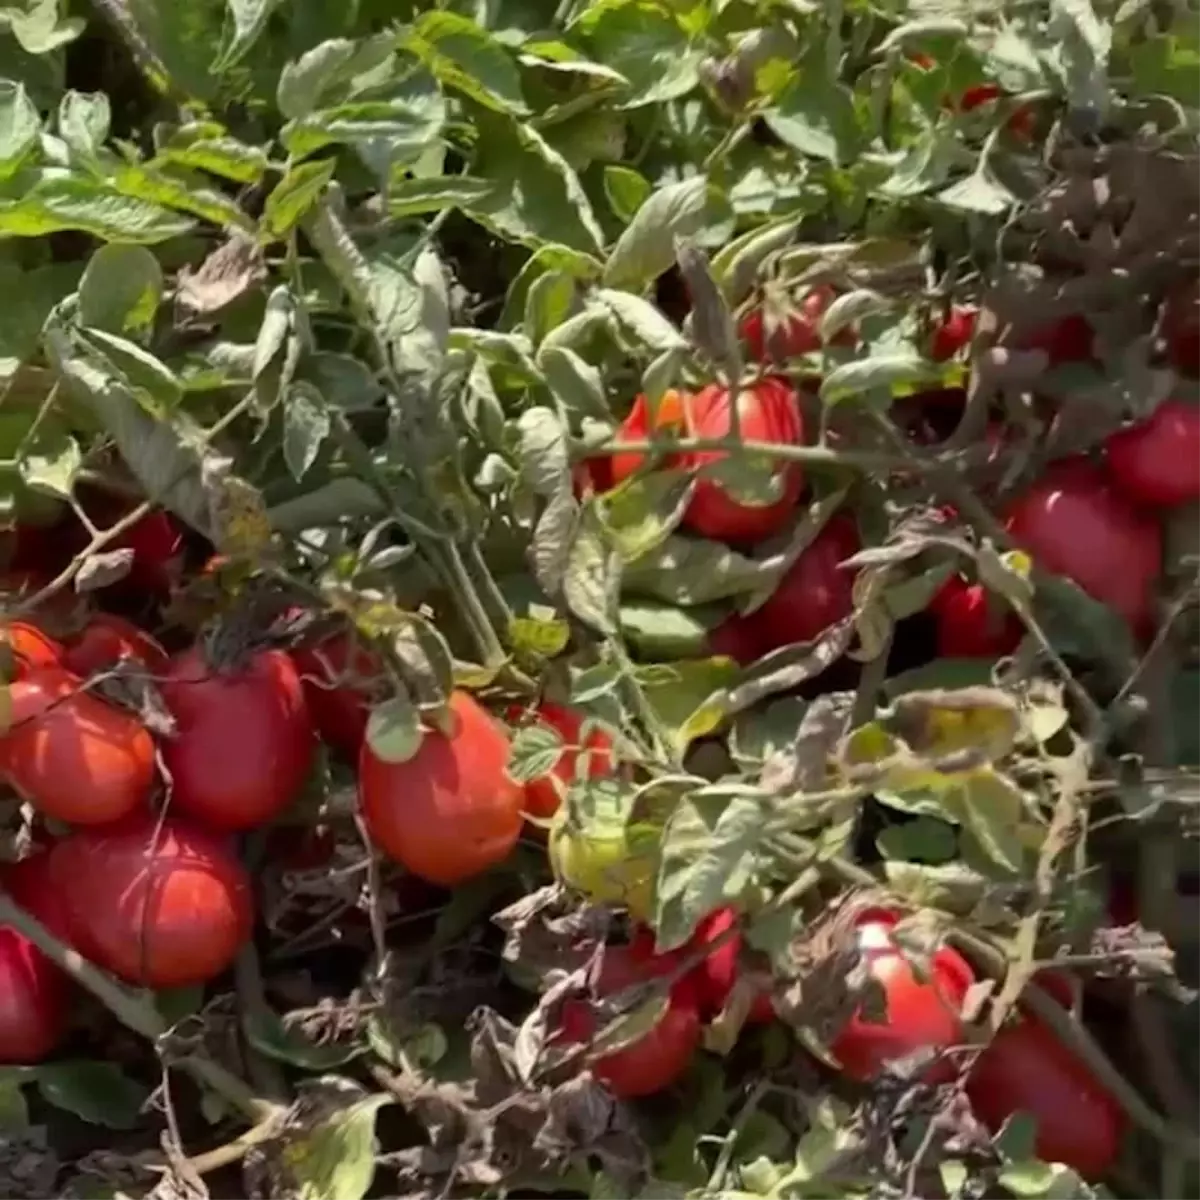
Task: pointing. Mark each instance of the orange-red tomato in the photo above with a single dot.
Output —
(1026, 1068)
(1074, 523)
(1181, 327)
(658, 1058)
(954, 333)
(25, 648)
(33, 1001)
(244, 741)
(341, 678)
(160, 907)
(920, 1015)
(973, 624)
(450, 811)
(542, 797)
(73, 756)
(768, 412)
(1157, 461)
(774, 338)
(815, 592)
(106, 640)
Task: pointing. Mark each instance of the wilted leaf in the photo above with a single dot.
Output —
(270, 1036)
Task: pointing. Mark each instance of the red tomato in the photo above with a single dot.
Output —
(542, 797)
(1074, 523)
(736, 637)
(1027, 1069)
(450, 811)
(339, 710)
(815, 592)
(591, 475)
(107, 640)
(244, 743)
(773, 337)
(25, 648)
(28, 882)
(1181, 327)
(1067, 340)
(33, 1001)
(73, 756)
(768, 411)
(658, 1058)
(973, 624)
(919, 1015)
(954, 333)
(156, 541)
(159, 903)
(1157, 461)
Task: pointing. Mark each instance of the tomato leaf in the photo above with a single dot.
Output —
(535, 751)
(266, 1032)
(647, 247)
(334, 1158)
(121, 289)
(96, 1092)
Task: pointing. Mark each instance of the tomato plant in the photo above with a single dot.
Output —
(1027, 1069)
(768, 412)
(1074, 523)
(108, 639)
(655, 1060)
(815, 592)
(921, 1014)
(244, 742)
(25, 648)
(73, 756)
(972, 623)
(542, 797)
(1157, 461)
(774, 333)
(158, 902)
(450, 811)
(341, 678)
(33, 1001)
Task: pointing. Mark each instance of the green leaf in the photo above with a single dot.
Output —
(693, 571)
(394, 729)
(306, 425)
(40, 29)
(646, 43)
(686, 696)
(576, 384)
(640, 319)
(816, 116)
(20, 127)
(330, 72)
(264, 1030)
(14, 1111)
(121, 290)
(923, 840)
(536, 197)
(993, 809)
(548, 302)
(205, 146)
(464, 56)
(626, 190)
(335, 1160)
(249, 20)
(83, 122)
(153, 380)
(414, 197)
(663, 632)
(296, 193)
(51, 463)
(1167, 64)
(592, 577)
(647, 247)
(405, 125)
(543, 450)
(96, 1092)
(979, 192)
(881, 372)
(535, 751)
(640, 514)
(144, 183)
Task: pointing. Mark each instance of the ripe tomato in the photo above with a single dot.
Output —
(1157, 461)
(659, 1057)
(1066, 340)
(25, 648)
(920, 1015)
(736, 637)
(33, 1001)
(450, 811)
(28, 882)
(158, 907)
(954, 333)
(1074, 523)
(71, 755)
(244, 742)
(1027, 1069)
(339, 710)
(773, 336)
(542, 796)
(107, 640)
(768, 412)
(591, 475)
(973, 624)
(1181, 327)
(156, 541)
(815, 592)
